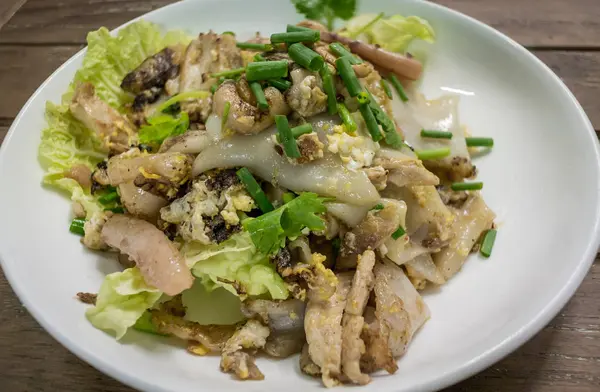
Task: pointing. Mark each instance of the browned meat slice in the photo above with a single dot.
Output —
(378, 354)
(307, 365)
(153, 72)
(87, 298)
(157, 258)
(115, 130)
(310, 148)
(353, 348)
(306, 96)
(140, 203)
(323, 327)
(404, 170)
(80, 173)
(362, 284)
(253, 335)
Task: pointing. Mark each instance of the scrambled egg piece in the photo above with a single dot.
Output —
(356, 151)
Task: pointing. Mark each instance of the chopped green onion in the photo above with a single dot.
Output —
(488, 243)
(77, 226)
(292, 28)
(466, 186)
(341, 51)
(264, 70)
(348, 76)
(436, 153)
(398, 86)
(347, 119)
(363, 97)
(254, 190)
(336, 244)
(116, 210)
(378, 207)
(182, 97)
(213, 88)
(108, 198)
(280, 84)
(259, 94)
(367, 26)
(254, 46)
(259, 57)
(329, 88)
(288, 196)
(371, 122)
(296, 36)
(306, 57)
(229, 73)
(229, 33)
(392, 137)
(436, 134)
(386, 88)
(479, 142)
(287, 139)
(225, 115)
(299, 131)
(398, 233)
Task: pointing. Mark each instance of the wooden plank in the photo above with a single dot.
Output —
(68, 21)
(554, 23)
(8, 8)
(3, 132)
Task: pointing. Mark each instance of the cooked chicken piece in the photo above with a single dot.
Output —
(306, 96)
(115, 130)
(323, 49)
(252, 335)
(285, 320)
(139, 203)
(78, 210)
(243, 117)
(378, 176)
(154, 71)
(212, 337)
(208, 212)
(310, 148)
(93, 230)
(157, 258)
(322, 324)
(472, 219)
(378, 354)
(80, 173)
(209, 53)
(307, 365)
(399, 307)
(403, 169)
(373, 231)
(362, 284)
(353, 348)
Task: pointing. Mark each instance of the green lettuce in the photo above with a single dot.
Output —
(122, 300)
(394, 33)
(235, 263)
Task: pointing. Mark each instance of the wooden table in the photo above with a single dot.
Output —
(36, 36)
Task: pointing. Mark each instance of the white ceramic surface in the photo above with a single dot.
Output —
(542, 179)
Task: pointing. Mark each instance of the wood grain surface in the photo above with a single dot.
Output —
(36, 36)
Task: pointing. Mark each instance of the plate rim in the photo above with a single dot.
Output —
(461, 371)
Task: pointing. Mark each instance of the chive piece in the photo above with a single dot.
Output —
(488, 243)
(288, 196)
(398, 233)
(225, 115)
(371, 122)
(436, 134)
(116, 210)
(363, 97)
(292, 28)
(306, 57)
(254, 190)
(259, 94)
(77, 226)
(347, 119)
(392, 138)
(348, 76)
(287, 139)
(213, 88)
(108, 198)
(182, 97)
(378, 207)
(264, 70)
(436, 153)
(229, 73)
(336, 244)
(386, 88)
(399, 89)
(367, 26)
(229, 33)
(280, 84)
(254, 46)
(296, 36)
(302, 130)
(466, 186)
(341, 51)
(479, 142)
(329, 88)
(259, 57)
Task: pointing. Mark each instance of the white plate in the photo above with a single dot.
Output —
(542, 179)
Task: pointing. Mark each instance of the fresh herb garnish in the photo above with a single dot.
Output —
(162, 126)
(326, 11)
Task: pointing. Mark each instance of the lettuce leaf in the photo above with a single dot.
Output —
(163, 126)
(235, 263)
(123, 298)
(394, 33)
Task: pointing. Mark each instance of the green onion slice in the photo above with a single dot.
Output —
(436, 153)
(293, 37)
(280, 84)
(287, 139)
(488, 243)
(254, 46)
(348, 76)
(77, 226)
(108, 198)
(254, 190)
(265, 70)
(329, 88)
(291, 28)
(182, 97)
(399, 89)
(436, 134)
(479, 142)
(466, 186)
(386, 88)
(225, 115)
(370, 122)
(341, 51)
(346, 117)
(229, 73)
(259, 94)
(306, 57)
(398, 233)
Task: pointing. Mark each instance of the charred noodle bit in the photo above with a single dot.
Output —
(254, 46)
(264, 70)
(309, 36)
(254, 190)
(306, 57)
(488, 243)
(436, 134)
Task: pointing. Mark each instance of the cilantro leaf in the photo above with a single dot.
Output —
(326, 11)
(343, 9)
(269, 231)
(311, 9)
(162, 126)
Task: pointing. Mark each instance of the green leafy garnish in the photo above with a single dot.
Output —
(326, 11)
(269, 231)
(162, 126)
